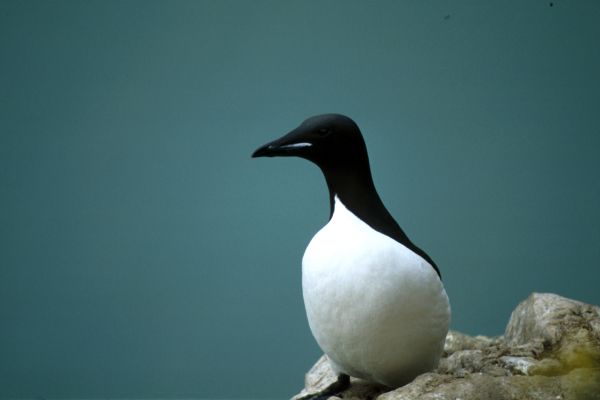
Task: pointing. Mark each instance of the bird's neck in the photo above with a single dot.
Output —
(354, 187)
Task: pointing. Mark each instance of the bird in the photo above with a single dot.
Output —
(375, 302)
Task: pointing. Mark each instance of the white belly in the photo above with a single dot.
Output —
(378, 310)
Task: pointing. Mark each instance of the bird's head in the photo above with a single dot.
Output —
(328, 140)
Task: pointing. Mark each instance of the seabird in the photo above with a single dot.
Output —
(375, 301)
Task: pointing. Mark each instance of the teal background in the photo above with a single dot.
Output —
(144, 254)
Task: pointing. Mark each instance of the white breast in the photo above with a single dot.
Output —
(378, 310)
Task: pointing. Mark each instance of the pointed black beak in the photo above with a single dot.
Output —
(289, 145)
(267, 150)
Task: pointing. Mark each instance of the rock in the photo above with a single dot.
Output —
(456, 341)
(517, 365)
(550, 350)
(320, 376)
(550, 318)
(568, 330)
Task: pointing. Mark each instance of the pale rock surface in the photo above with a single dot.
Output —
(550, 350)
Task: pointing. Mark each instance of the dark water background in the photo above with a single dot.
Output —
(144, 254)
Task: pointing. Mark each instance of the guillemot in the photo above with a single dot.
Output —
(375, 301)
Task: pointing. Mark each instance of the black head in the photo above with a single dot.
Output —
(335, 144)
(328, 140)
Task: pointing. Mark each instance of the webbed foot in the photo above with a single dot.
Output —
(342, 383)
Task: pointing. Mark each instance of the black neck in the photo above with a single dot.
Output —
(356, 190)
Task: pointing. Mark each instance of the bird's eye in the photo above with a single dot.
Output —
(324, 131)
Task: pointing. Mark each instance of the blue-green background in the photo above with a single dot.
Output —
(144, 254)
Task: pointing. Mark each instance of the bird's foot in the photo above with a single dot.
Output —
(342, 383)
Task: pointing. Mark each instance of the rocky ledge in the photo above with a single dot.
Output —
(550, 350)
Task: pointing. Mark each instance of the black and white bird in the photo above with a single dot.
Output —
(375, 301)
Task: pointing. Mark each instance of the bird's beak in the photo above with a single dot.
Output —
(291, 144)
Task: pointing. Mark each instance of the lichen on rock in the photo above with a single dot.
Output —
(550, 350)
